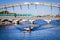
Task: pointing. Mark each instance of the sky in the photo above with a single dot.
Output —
(13, 1)
(41, 10)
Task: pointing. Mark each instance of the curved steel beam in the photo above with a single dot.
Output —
(29, 3)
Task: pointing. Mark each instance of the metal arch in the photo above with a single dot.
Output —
(30, 3)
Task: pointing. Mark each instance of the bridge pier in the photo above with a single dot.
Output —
(31, 19)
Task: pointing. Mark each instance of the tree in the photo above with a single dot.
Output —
(4, 12)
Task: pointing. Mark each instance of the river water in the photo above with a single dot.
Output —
(44, 32)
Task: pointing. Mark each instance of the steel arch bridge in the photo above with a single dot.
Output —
(29, 3)
(5, 6)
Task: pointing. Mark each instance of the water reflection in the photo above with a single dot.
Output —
(56, 22)
(40, 22)
(44, 32)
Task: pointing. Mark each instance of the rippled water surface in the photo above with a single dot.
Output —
(44, 32)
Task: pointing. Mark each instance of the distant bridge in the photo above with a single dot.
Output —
(31, 19)
(20, 4)
(5, 6)
(29, 3)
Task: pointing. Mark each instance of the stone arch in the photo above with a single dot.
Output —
(55, 22)
(39, 21)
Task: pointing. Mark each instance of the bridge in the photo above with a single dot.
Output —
(30, 3)
(5, 6)
(31, 19)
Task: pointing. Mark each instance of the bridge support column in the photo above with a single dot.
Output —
(47, 21)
